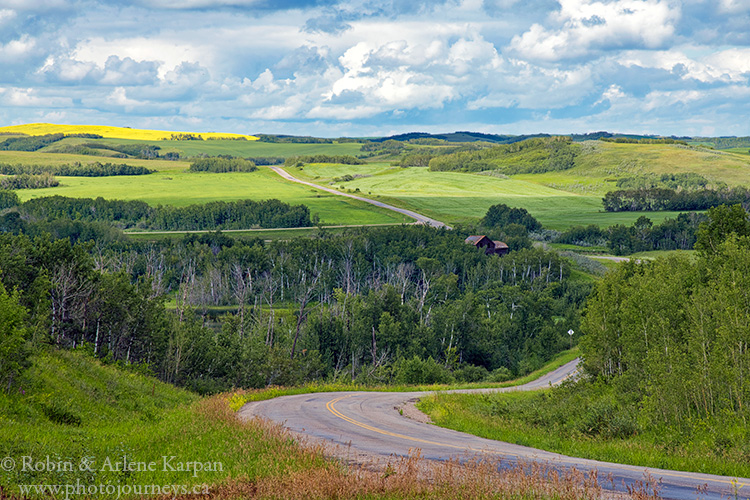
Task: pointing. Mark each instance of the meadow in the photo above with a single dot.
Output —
(455, 197)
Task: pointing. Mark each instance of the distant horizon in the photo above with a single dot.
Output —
(2, 131)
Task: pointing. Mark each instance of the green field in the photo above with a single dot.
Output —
(243, 149)
(180, 188)
(455, 197)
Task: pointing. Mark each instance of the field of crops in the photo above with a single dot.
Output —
(107, 131)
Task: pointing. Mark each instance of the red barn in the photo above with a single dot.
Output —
(490, 247)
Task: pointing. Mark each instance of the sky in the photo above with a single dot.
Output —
(332, 68)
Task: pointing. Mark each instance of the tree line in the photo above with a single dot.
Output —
(655, 199)
(241, 214)
(219, 164)
(643, 235)
(26, 181)
(342, 159)
(94, 169)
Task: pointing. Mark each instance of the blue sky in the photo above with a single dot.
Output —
(369, 67)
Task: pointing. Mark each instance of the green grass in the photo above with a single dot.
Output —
(515, 418)
(240, 148)
(181, 188)
(125, 415)
(455, 197)
(70, 407)
(42, 157)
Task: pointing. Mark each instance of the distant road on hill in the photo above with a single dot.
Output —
(421, 219)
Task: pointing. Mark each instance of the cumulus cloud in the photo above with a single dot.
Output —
(362, 66)
(583, 27)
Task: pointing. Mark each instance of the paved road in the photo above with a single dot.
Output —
(369, 423)
(414, 215)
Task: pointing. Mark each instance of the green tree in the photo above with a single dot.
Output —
(722, 221)
(14, 348)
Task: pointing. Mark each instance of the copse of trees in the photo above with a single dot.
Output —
(95, 169)
(26, 181)
(678, 346)
(222, 165)
(8, 199)
(672, 234)
(502, 215)
(29, 143)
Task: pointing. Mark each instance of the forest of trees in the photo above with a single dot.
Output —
(672, 337)
(404, 304)
(342, 159)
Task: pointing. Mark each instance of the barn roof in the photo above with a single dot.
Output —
(474, 239)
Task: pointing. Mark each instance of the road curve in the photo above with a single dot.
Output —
(421, 219)
(369, 423)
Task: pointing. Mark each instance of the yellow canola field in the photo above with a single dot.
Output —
(111, 132)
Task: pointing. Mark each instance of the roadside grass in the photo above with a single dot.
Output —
(180, 188)
(107, 131)
(456, 198)
(125, 417)
(521, 418)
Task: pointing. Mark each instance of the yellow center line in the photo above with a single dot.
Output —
(330, 406)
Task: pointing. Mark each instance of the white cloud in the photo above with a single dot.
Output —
(585, 27)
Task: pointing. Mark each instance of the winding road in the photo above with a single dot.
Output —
(369, 424)
(421, 219)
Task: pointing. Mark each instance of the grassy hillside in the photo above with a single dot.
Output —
(72, 408)
(107, 131)
(80, 421)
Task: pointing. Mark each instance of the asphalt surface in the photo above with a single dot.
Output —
(421, 219)
(369, 424)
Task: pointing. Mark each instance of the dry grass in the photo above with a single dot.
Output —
(108, 132)
(410, 477)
